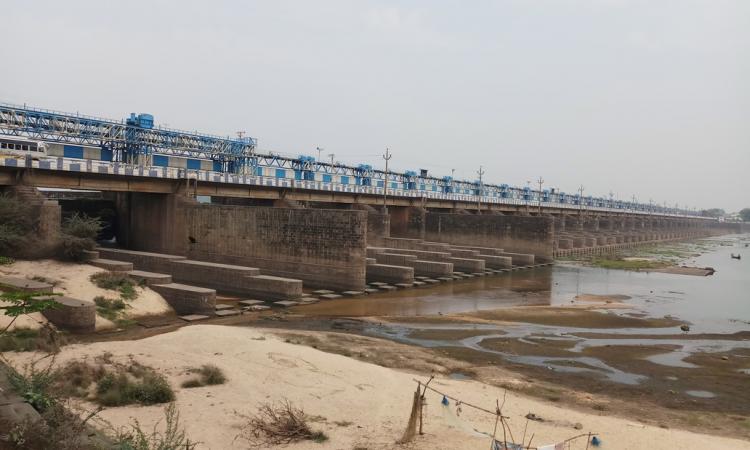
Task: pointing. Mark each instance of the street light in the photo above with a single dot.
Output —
(387, 157)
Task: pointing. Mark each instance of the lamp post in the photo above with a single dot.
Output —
(387, 157)
(541, 182)
(480, 172)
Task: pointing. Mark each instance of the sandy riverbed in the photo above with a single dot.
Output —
(376, 400)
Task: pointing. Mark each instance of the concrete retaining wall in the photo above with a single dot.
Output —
(521, 234)
(324, 248)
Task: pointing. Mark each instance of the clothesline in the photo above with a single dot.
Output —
(494, 413)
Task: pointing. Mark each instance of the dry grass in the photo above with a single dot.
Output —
(279, 424)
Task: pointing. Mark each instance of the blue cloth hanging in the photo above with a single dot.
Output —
(445, 401)
(595, 441)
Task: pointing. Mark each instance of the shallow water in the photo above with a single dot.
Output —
(714, 304)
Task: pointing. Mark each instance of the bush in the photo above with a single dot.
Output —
(208, 374)
(82, 226)
(78, 235)
(45, 339)
(5, 260)
(121, 389)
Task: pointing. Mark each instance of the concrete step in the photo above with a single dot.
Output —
(286, 303)
(467, 265)
(222, 277)
(111, 264)
(228, 312)
(149, 278)
(186, 300)
(330, 296)
(152, 262)
(88, 255)
(270, 287)
(389, 273)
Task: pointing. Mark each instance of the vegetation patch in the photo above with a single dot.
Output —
(205, 375)
(109, 308)
(115, 281)
(6, 260)
(112, 384)
(629, 264)
(46, 339)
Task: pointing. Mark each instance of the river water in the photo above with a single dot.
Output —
(717, 304)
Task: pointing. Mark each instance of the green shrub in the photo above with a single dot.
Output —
(116, 282)
(82, 226)
(6, 261)
(79, 234)
(33, 385)
(208, 374)
(109, 308)
(120, 389)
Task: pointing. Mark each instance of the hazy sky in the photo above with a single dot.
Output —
(647, 98)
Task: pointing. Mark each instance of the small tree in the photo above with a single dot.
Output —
(745, 214)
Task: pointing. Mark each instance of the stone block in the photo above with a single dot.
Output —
(389, 273)
(187, 300)
(330, 296)
(193, 317)
(15, 284)
(111, 265)
(432, 268)
(222, 277)
(520, 259)
(77, 316)
(266, 286)
(467, 265)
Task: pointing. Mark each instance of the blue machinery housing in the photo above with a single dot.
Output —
(136, 141)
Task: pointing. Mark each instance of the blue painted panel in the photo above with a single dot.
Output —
(161, 160)
(194, 164)
(73, 151)
(297, 175)
(309, 175)
(217, 166)
(280, 173)
(394, 185)
(259, 171)
(106, 154)
(326, 178)
(380, 184)
(344, 180)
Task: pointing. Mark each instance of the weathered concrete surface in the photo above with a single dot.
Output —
(323, 248)
(142, 260)
(389, 273)
(23, 285)
(517, 234)
(186, 299)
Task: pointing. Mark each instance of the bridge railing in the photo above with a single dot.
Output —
(122, 169)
